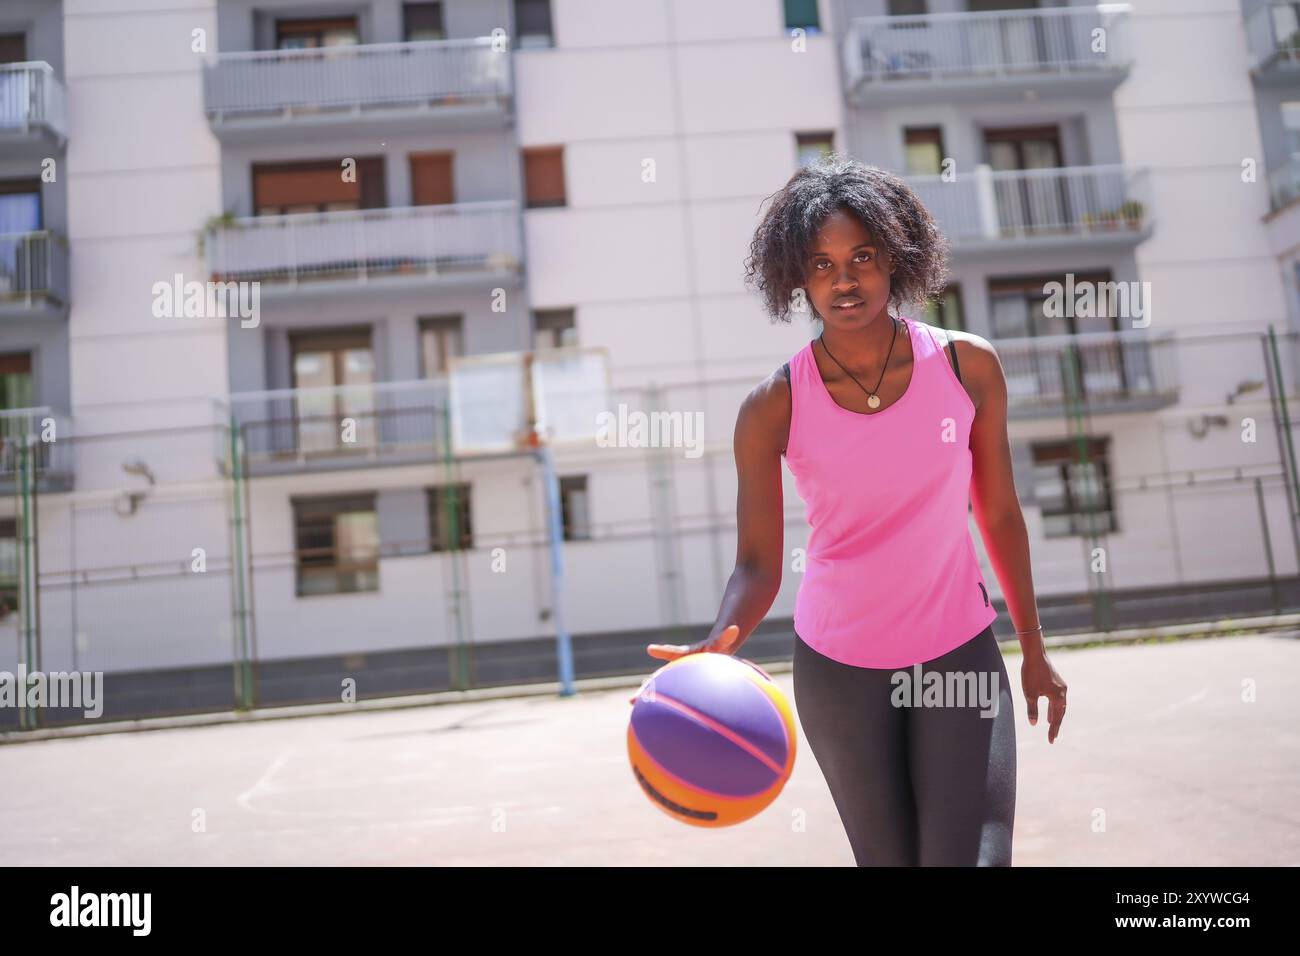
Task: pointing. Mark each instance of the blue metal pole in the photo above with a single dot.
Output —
(564, 646)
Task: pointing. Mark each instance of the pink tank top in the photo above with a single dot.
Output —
(891, 577)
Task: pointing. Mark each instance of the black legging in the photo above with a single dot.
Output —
(914, 785)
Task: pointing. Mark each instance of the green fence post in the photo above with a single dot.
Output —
(242, 665)
(28, 616)
(1286, 447)
(1268, 545)
(1076, 421)
(457, 652)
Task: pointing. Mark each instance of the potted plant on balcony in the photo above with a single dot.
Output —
(225, 220)
(1132, 210)
(1110, 218)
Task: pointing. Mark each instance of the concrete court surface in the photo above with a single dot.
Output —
(1157, 739)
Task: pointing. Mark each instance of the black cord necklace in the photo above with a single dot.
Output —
(873, 400)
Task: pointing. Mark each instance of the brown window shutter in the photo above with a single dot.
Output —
(431, 179)
(278, 185)
(370, 176)
(13, 48)
(19, 364)
(544, 176)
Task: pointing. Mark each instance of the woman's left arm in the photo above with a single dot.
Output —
(1002, 524)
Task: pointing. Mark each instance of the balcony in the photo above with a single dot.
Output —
(944, 57)
(369, 250)
(33, 275)
(31, 110)
(428, 86)
(1284, 184)
(1132, 370)
(1273, 37)
(352, 426)
(1068, 206)
(51, 459)
(1282, 223)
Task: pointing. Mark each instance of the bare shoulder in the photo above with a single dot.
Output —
(763, 422)
(981, 369)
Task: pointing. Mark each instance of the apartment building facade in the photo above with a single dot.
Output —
(406, 182)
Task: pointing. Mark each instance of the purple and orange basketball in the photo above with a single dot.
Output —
(711, 739)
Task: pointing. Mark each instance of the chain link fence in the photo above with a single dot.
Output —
(208, 569)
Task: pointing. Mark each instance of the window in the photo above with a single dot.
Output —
(923, 150)
(533, 24)
(945, 311)
(544, 176)
(422, 21)
(1033, 147)
(1019, 307)
(280, 188)
(574, 511)
(13, 48)
(1072, 486)
(1286, 26)
(22, 261)
(8, 569)
(802, 15)
(813, 146)
(20, 212)
(337, 544)
(310, 34)
(906, 8)
(554, 328)
(431, 179)
(333, 372)
(15, 381)
(1106, 367)
(1031, 204)
(449, 518)
(441, 338)
(1291, 124)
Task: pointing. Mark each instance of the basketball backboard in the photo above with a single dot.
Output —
(489, 406)
(494, 397)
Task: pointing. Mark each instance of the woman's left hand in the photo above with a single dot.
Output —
(1038, 678)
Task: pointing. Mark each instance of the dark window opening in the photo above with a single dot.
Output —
(336, 545)
(1072, 487)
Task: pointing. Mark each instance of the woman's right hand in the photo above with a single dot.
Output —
(724, 643)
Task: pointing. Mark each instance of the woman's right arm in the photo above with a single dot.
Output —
(762, 428)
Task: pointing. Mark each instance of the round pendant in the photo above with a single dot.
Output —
(873, 401)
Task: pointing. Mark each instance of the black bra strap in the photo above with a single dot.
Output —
(785, 370)
(952, 347)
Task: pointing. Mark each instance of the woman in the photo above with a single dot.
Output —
(891, 437)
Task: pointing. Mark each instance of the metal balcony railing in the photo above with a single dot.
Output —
(351, 423)
(956, 46)
(1113, 369)
(33, 267)
(31, 97)
(1066, 201)
(366, 76)
(458, 239)
(1284, 183)
(1273, 34)
(46, 432)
